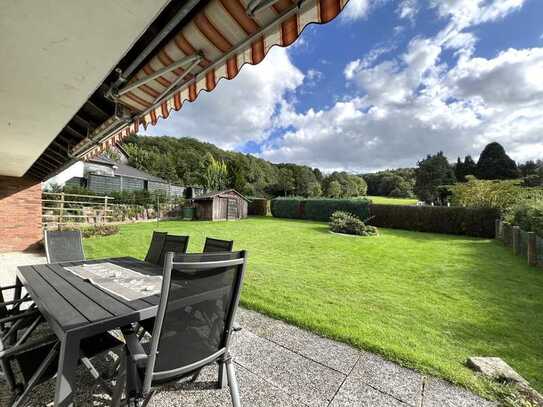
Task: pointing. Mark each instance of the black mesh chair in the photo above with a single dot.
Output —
(35, 358)
(217, 245)
(155, 248)
(175, 244)
(65, 245)
(198, 302)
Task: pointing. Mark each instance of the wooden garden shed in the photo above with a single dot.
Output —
(223, 205)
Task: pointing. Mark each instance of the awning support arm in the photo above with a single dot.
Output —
(255, 6)
(196, 58)
(179, 16)
(175, 84)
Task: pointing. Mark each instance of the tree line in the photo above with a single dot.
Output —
(189, 162)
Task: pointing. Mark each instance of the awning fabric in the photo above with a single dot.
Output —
(225, 37)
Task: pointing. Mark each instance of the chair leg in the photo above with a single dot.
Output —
(222, 375)
(34, 379)
(120, 384)
(233, 383)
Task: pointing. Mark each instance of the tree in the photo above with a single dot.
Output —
(494, 163)
(462, 169)
(432, 172)
(236, 176)
(286, 180)
(215, 176)
(334, 190)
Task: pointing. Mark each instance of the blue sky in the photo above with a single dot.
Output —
(383, 85)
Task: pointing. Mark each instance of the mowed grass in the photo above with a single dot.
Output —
(428, 301)
(384, 200)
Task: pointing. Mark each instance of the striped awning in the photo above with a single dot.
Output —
(214, 44)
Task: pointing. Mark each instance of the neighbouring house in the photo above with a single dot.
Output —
(103, 175)
(223, 205)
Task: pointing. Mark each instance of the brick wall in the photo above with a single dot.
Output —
(20, 214)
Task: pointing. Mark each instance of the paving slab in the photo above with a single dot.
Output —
(333, 354)
(254, 391)
(439, 393)
(355, 393)
(390, 378)
(302, 378)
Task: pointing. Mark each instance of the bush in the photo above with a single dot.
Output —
(98, 230)
(317, 209)
(477, 222)
(528, 215)
(343, 222)
(258, 206)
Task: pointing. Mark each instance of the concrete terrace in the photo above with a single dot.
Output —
(281, 365)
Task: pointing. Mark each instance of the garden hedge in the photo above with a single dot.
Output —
(317, 209)
(258, 206)
(477, 222)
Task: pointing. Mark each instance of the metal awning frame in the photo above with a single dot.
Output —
(261, 4)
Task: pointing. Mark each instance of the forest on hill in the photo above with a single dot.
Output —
(187, 161)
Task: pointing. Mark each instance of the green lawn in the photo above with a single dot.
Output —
(384, 200)
(428, 301)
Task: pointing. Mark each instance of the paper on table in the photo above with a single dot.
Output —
(125, 283)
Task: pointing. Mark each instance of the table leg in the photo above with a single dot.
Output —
(18, 289)
(67, 366)
(17, 293)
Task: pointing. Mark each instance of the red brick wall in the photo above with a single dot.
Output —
(20, 214)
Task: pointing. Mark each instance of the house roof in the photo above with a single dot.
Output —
(124, 170)
(212, 195)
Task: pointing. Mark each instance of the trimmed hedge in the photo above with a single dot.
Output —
(317, 209)
(477, 222)
(258, 206)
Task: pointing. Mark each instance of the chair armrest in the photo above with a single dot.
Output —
(13, 302)
(22, 314)
(17, 350)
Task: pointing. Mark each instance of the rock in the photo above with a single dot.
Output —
(497, 369)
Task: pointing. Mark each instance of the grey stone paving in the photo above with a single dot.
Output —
(280, 365)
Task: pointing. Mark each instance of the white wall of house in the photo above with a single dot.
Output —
(75, 170)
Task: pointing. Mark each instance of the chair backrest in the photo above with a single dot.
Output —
(155, 248)
(199, 298)
(63, 246)
(217, 245)
(175, 244)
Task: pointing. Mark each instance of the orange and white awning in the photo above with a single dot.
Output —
(214, 44)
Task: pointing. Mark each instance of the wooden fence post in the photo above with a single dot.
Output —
(497, 226)
(61, 211)
(532, 249)
(104, 218)
(516, 240)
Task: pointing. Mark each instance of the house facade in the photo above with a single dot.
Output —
(102, 175)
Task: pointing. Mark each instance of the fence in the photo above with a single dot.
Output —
(525, 244)
(60, 209)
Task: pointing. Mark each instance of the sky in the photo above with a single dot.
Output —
(383, 85)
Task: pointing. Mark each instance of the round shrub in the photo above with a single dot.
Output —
(344, 222)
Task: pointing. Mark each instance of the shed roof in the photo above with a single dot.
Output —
(212, 195)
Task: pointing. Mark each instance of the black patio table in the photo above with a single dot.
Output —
(76, 309)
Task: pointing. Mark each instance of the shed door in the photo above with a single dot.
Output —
(232, 211)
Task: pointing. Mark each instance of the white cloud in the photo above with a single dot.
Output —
(239, 110)
(356, 10)
(408, 9)
(414, 103)
(471, 12)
